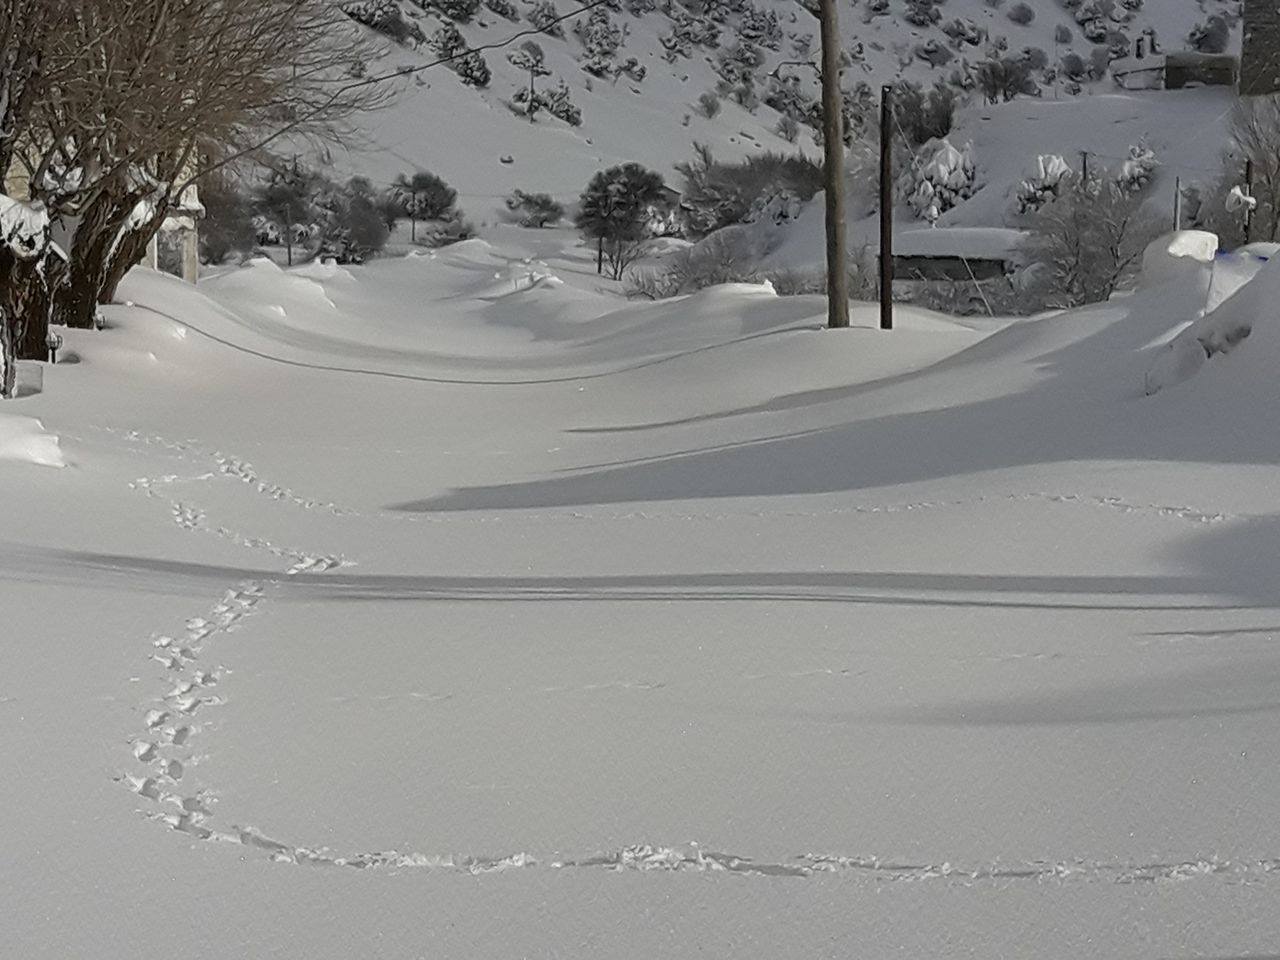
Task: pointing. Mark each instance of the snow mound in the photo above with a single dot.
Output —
(25, 440)
(1246, 313)
(517, 278)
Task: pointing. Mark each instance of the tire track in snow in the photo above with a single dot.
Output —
(164, 749)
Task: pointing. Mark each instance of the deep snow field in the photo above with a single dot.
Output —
(451, 606)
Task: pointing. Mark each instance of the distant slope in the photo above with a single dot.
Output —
(473, 138)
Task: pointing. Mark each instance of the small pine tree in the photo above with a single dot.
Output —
(616, 209)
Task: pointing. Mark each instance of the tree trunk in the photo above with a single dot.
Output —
(8, 356)
(26, 286)
(130, 251)
(92, 248)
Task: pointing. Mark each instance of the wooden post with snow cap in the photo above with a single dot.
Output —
(833, 166)
(886, 207)
(1248, 189)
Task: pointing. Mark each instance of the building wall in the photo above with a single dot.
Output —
(1260, 52)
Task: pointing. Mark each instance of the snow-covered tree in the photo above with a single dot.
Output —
(601, 38)
(616, 209)
(384, 16)
(544, 16)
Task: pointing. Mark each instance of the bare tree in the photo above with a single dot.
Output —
(1088, 242)
(156, 90)
(1255, 128)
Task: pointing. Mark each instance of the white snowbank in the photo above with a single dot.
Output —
(1241, 308)
(24, 439)
(1172, 255)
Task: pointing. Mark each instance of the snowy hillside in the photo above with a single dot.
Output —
(474, 139)
(452, 606)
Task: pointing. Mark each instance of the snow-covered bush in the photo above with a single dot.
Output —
(600, 38)
(719, 194)
(922, 13)
(1021, 14)
(922, 115)
(709, 104)
(534, 209)
(728, 256)
(963, 30)
(1003, 78)
(470, 66)
(688, 31)
(227, 226)
(555, 102)
(760, 27)
(1212, 36)
(423, 196)
(461, 10)
(1045, 185)
(739, 63)
(1136, 171)
(788, 128)
(942, 177)
(1062, 34)
(384, 16)
(933, 53)
(544, 17)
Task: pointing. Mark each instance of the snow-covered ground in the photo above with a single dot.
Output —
(451, 606)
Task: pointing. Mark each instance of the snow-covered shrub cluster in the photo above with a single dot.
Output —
(1212, 36)
(1135, 172)
(534, 209)
(922, 13)
(545, 17)
(469, 65)
(962, 30)
(1052, 172)
(942, 177)
(600, 38)
(718, 194)
(386, 17)
(760, 27)
(556, 102)
(463, 11)
(687, 32)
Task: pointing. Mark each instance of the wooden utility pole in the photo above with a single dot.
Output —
(1177, 203)
(833, 166)
(886, 207)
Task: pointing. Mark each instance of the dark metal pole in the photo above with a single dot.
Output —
(833, 167)
(1248, 188)
(886, 207)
